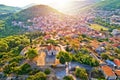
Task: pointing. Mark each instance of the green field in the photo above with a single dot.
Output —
(97, 27)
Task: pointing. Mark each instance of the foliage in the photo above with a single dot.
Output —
(37, 76)
(24, 69)
(108, 5)
(65, 56)
(3, 46)
(47, 71)
(31, 53)
(8, 9)
(104, 56)
(81, 73)
(68, 78)
(100, 21)
(85, 59)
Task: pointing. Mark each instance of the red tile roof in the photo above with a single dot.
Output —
(117, 62)
(117, 72)
(107, 70)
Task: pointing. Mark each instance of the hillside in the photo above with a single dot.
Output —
(24, 15)
(76, 6)
(31, 12)
(108, 4)
(8, 9)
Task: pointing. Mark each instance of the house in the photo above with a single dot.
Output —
(117, 62)
(52, 50)
(108, 73)
(110, 63)
(100, 50)
(116, 32)
(117, 72)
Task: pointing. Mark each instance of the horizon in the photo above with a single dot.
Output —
(60, 5)
(23, 3)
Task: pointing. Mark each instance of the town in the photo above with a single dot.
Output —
(41, 43)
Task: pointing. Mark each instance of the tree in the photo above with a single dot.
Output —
(68, 78)
(104, 56)
(81, 73)
(37, 76)
(62, 60)
(64, 57)
(24, 69)
(3, 46)
(47, 71)
(31, 54)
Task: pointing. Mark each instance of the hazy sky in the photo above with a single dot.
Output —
(22, 3)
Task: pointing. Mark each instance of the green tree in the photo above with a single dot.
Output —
(81, 73)
(3, 46)
(68, 78)
(62, 60)
(24, 69)
(64, 57)
(37, 76)
(104, 56)
(31, 54)
(47, 71)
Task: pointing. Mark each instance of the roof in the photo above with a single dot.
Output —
(117, 62)
(117, 72)
(50, 47)
(110, 63)
(107, 70)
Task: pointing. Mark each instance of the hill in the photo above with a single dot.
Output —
(24, 15)
(108, 5)
(34, 11)
(8, 9)
(76, 6)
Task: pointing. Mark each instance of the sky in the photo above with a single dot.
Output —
(60, 5)
(22, 3)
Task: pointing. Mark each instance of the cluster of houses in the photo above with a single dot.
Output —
(111, 69)
(61, 25)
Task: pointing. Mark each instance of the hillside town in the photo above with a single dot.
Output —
(101, 45)
(41, 43)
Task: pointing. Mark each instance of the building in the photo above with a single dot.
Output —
(117, 62)
(110, 63)
(117, 72)
(52, 50)
(108, 73)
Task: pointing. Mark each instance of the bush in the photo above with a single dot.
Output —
(47, 71)
(68, 78)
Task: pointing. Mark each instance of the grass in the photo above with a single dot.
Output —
(97, 27)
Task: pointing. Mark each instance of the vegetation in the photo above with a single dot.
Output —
(106, 24)
(64, 57)
(68, 78)
(85, 59)
(32, 53)
(81, 73)
(8, 9)
(47, 71)
(98, 27)
(108, 5)
(37, 76)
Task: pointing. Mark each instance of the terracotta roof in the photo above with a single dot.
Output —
(117, 72)
(107, 70)
(117, 62)
(50, 47)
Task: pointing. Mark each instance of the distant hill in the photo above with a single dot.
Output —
(108, 4)
(76, 6)
(31, 12)
(24, 15)
(29, 5)
(8, 9)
